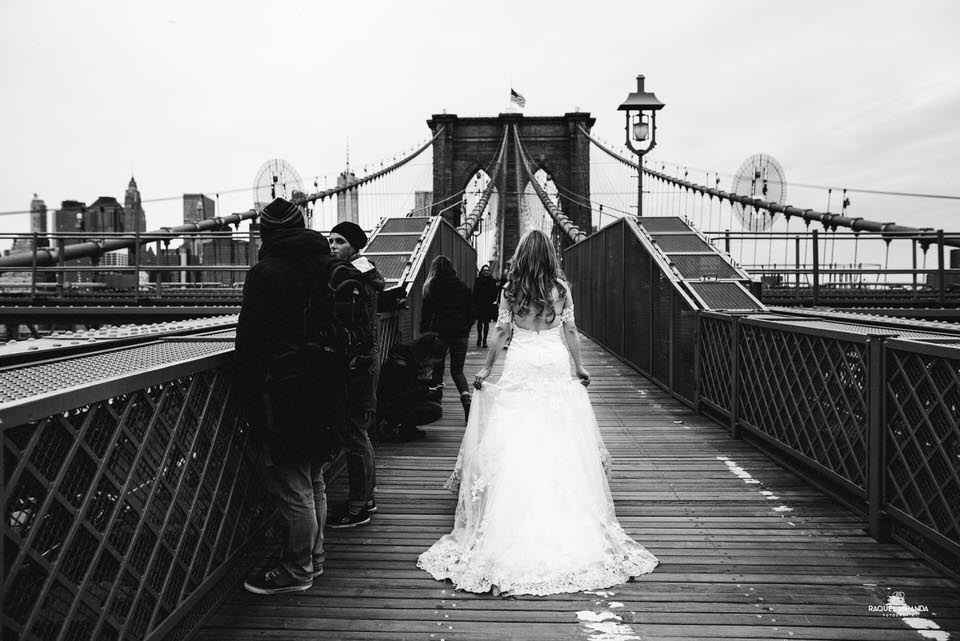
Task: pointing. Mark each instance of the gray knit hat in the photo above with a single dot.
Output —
(281, 213)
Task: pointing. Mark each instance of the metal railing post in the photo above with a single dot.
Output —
(33, 269)
(816, 267)
(941, 274)
(61, 245)
(796, 256)
(735, 379)
(136, 267)
(876, 454)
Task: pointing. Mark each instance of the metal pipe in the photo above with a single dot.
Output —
(93, 249)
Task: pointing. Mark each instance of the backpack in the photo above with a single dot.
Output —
(305, 392)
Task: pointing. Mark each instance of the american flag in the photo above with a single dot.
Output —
(518, 99)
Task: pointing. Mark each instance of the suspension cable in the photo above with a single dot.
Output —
(572, 231)
(466, 228)
(356, 183)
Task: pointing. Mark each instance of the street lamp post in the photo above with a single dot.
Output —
(641, 111)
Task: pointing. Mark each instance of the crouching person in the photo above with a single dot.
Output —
(295, 388)
(406, 398)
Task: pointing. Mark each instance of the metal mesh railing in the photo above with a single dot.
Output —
(870, 418)
(819, 383)
(716, 373)
(922, 385)
(123, 509)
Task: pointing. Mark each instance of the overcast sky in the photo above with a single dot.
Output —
(193, 95)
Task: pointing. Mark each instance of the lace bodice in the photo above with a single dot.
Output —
(506, 316)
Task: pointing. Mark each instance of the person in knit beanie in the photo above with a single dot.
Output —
(293, 263)
(346, 241)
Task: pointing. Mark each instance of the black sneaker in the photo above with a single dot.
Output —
(276, 581)
(344, 518)
(340, 508)
(317, 573)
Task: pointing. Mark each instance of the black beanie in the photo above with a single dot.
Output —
(352, 232)
(281, 213)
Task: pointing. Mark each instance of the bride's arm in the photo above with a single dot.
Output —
(500, 334)
(573, 337)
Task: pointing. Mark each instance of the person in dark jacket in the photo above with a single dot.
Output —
(294, 262)
(486, 292)
(448, 311)
(346, 241)
(407, 398)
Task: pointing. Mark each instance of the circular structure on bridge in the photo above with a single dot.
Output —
(276, 178)
(759, 176)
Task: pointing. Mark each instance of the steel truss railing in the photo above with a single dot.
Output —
(133, 492)
(828, 220)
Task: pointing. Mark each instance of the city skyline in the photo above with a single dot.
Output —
(850, 94)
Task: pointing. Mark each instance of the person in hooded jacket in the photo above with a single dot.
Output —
(346, 241)
(448, 311)
(486, 292)
(293, 263)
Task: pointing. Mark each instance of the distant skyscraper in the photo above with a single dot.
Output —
(348, 202)
(71, 213)
(105, 214)
(38, 216)
(38, 225)
(422, 203)
(197, 207)
(134, 218)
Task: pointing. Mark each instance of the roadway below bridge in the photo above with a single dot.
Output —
(747, 550)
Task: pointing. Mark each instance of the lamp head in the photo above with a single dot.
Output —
(641, 100)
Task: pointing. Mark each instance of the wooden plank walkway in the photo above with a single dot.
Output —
(746, 549)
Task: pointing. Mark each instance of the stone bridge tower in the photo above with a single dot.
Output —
(555, 144)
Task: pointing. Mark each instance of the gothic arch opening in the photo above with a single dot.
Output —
(487, 236)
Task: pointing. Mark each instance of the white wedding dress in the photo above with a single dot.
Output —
(535, 514)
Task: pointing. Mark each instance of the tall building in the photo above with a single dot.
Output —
(134, 218)
(38, 225)
(38, 216)
(105, 214)
(197, 207)
(70, 216)
(348, 202)
(422, 203)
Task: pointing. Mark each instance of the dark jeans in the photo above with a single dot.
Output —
(457, 346)
(420, 413)
(483, 329)
(355, 439)
(301, 496)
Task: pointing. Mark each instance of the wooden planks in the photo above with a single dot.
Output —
(746, 549)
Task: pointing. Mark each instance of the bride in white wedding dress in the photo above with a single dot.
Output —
(535, 514)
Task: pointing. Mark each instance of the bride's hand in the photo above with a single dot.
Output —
(481, 377)
(583, 375)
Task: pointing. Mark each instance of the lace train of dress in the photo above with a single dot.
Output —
(535, 514)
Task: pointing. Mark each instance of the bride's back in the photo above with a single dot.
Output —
(537, 322)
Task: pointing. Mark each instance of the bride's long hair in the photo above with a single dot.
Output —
(534, 276)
